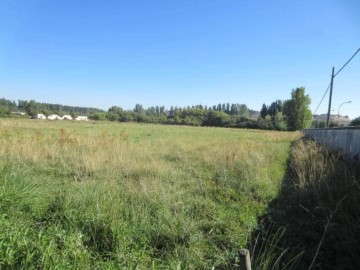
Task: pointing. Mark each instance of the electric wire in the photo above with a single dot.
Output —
(346, 63)
(334, 77)
(322, 99)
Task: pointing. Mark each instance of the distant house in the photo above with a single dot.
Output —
(338, 120)
(54, 117)
(81, 118)
(67, 117)
(343, 121)
(38, 116)
(19, 113)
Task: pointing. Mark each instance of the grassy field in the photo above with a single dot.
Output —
(100, 195)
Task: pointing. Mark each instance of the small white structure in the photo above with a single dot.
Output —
(38, 116)
(66, 117)
(19, 113)
(54, 117)
(81, 118)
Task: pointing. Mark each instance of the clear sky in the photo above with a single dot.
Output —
(101, 53)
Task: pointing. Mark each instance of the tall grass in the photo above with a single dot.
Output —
(319, 209)
(327, 187)
(109, 195)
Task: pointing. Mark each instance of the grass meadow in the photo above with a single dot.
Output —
(99, 195)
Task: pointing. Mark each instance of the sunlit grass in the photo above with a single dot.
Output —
(114, 195)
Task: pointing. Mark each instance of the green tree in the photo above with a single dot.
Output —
(276, 106)
(98, 116)
(111, 116)
(244, 111)
(355, 122)
(32, 107)
(4, 111)
(217, 118)
(279, 121)
(264, 111)
(297, 110)
(115, 109)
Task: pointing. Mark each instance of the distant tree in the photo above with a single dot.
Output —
(268, 118)
(22, 104)
(297, 110)
(193, 117)
(279, 121)
(264, 111)
(45, 112)
(275, 107)
(265, 123)
(6, 107)
(4, 111)
(99, 116)
(74, 115)
(139, 109)
(151, 111)
(172, 111)
(244, 111)
(31, 107)
(355, 122)
(115, 109)
(227, 108)
(217, 118)
(126, 116)
(112, 116)
(233, 109)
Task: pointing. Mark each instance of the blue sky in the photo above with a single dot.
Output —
(103, 53)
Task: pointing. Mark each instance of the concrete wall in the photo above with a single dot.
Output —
(345, 139)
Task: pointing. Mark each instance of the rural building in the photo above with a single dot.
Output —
(67, 117)
(19, 113)
(338, 120)
(38, 116)
(54, 117)
(81, 118)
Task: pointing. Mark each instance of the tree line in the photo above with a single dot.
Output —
(32, 107)
(291, 114)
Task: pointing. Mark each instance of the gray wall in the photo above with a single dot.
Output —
(345, 139)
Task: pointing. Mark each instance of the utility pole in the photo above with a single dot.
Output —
(331, 88)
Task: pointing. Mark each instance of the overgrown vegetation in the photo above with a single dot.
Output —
(103, 195)
(318, 209)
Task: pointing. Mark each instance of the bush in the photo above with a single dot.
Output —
(355, 122)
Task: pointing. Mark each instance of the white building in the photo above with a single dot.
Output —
(54, 117)
(67, 117)
(81, 118)
(38, 116)
(19, 113)
(337, 120)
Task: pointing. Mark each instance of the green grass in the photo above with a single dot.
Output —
(103, 195)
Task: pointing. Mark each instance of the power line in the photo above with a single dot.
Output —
(322, 98)
(334, 77)
(346, 63)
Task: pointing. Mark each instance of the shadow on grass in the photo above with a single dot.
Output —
(314, 223)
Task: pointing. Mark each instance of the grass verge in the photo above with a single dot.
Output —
(318, 208)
